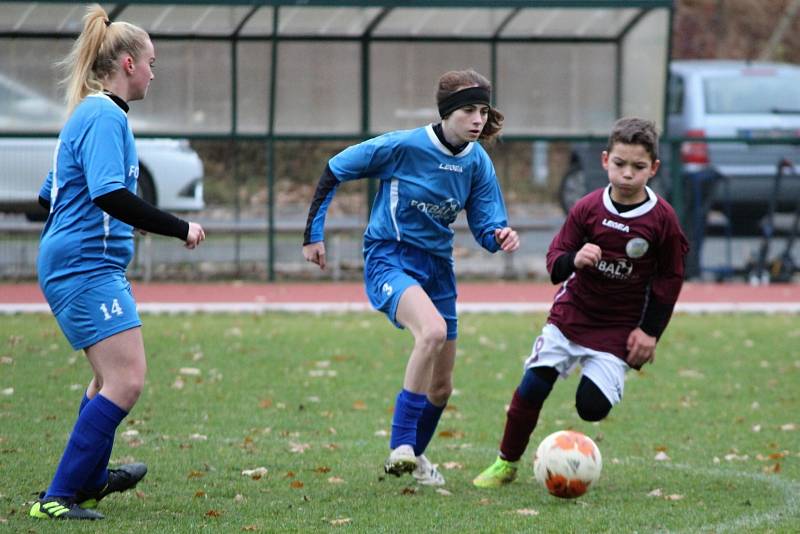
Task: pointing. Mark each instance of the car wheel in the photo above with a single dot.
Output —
(573, 187)
(145, 188)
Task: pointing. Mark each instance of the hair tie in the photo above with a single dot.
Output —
(108, 22)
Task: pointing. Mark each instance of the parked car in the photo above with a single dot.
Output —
(719, 99)
(170, 175)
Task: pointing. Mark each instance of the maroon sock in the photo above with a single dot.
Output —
(521, 419)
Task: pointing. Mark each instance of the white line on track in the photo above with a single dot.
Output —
(341, 307)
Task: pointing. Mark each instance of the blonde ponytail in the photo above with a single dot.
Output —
(92, 59)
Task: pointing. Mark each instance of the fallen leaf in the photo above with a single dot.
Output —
(323, 469)
(213, 513)
(198, 437)
(408, 491)
(674, 497)
(296, 484)
(200, 493)
(299, 448)
(196, 474)
(189, 371)
(452, 465)
(341, 521)
(661, 457)
(455, 434)
(238, 498)
(359, 405)
(442, 491)
(655, 493)
(249, 528)
(7, 392)
(528, 511)
(257, 472)
(381, 433)
(265, 403)
(336, 480)
(788, 427)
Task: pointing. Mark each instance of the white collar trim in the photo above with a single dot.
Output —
(652, 200)
(438, 144)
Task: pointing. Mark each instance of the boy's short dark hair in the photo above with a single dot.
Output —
(635, 131)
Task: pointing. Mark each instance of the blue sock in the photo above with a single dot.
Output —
(84, 402)
(427, 425)
(407, 411)
(87, 446)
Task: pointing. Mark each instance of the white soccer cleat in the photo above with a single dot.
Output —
(426, 473)
(401, 461)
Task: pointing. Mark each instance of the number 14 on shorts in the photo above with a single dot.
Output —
(116, 309)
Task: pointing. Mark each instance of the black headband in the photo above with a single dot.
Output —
(465, 97)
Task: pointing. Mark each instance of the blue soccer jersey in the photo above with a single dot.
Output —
(82, 245)
(423, 187)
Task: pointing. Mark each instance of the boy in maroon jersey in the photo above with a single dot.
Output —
(620, 255)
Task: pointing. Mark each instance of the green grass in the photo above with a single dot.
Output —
(273, 384)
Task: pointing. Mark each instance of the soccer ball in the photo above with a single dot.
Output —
(567, 463)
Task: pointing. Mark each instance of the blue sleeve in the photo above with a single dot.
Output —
(485, 208)
(374, 158)
(102, 154)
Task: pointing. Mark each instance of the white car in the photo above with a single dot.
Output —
(170, 176)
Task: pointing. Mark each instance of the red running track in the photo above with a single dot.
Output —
(329, 292)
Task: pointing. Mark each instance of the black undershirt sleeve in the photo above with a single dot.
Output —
(563, 267)
(130, 209)
(655, 318)
(43, 202)
(326, 183)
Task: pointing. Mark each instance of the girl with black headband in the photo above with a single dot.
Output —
(427, 176)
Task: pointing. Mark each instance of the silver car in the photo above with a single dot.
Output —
(720, 99)
(171, 172)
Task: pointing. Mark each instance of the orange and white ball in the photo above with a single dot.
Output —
(567, 464)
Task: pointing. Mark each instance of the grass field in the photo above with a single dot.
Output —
(309, 398)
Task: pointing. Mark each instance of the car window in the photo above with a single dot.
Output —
(675, 102)
(752, 94)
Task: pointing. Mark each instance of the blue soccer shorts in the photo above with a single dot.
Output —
(98, 313)
(391, 267)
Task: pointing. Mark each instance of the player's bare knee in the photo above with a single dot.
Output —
(432, 337)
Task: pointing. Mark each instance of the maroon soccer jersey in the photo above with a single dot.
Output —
(643, 254)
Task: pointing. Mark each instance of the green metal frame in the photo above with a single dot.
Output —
(365, 40)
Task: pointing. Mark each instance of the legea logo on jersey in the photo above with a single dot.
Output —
(618, 269)
(616, 225)
(387, 288)
(445, 211)
(133, 171)
(451, 167)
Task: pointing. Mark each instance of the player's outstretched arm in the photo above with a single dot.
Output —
(315, 253)
(507, 238)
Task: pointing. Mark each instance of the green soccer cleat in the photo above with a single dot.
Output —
(61, 508)
(123, 478)
(500, 473)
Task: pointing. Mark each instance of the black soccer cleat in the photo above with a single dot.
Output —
(121, 479)
(61, 508)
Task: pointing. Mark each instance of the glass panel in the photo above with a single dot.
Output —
(319, 89)
(537, 22)
(644, 68)
(457, 22)
(42, 16)
(260, 23)
(403, 80)
(325, 21)
(31, 99)
(556, 89)
(191, 91)
(205, 20)
(253, 87)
